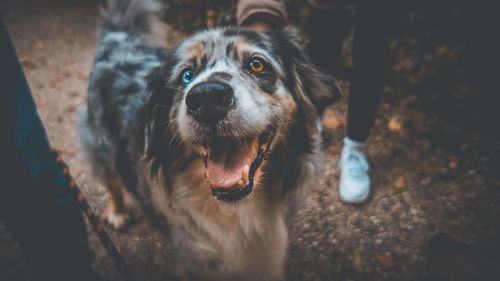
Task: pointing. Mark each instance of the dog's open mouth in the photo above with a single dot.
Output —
(231, 165)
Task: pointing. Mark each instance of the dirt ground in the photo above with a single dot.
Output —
(428, 176)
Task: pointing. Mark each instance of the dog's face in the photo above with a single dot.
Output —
(236, 95)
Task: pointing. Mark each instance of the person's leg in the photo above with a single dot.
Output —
(52, 234)
(261, 15)
(370, 50)
(370, 58)
(327, 26)
(41, 215)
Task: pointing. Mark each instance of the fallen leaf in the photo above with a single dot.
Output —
(385, 259)
(59, 150)
(332, 122)
(70, 109)
(38, 104)
(57, 80)
(453, 166)
(66, 74)
(210, 14)
(332, 119)
(38, 45)
(26, 62)
(82, 76)
(24, 59)
(394, 124)
(413, 156)
(357, 260)
(400, 182)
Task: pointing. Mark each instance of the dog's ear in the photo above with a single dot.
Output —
(304, 77)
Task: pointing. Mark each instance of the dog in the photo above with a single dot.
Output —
(218, 137)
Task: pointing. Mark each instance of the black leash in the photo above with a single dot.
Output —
(94, 220)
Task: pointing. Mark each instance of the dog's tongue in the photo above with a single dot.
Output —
(228, 165)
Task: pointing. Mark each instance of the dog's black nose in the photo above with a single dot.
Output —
(209, 102)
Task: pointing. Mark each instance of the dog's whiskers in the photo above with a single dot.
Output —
(171, 88)
(159, 125)
(161, 106)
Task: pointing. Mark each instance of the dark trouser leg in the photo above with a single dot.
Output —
(327, 26)
(370, 58)
(51, 233)
(41, 215)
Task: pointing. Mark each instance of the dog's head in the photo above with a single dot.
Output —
(233, 96)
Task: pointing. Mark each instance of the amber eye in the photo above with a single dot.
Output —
(256, 65)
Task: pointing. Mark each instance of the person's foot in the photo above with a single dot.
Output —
(354, 185)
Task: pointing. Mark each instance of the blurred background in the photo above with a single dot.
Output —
(442, 52)
(435, 146)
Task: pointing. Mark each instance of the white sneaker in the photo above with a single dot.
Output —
(354, 186)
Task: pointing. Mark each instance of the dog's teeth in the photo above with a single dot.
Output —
(203, 151)
(244, 174)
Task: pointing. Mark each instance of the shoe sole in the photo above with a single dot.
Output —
(355, 200)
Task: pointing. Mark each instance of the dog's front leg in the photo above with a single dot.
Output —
(116, 213)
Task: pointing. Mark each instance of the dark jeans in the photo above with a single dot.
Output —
(370, 59)
(328, 28)
(40, 214)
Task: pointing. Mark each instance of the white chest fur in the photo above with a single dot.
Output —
(218, 241)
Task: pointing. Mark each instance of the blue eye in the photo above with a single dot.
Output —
(187, 76)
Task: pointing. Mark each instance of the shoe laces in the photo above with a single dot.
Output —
(355, 162)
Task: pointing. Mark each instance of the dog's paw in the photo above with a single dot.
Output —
(117, 220)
